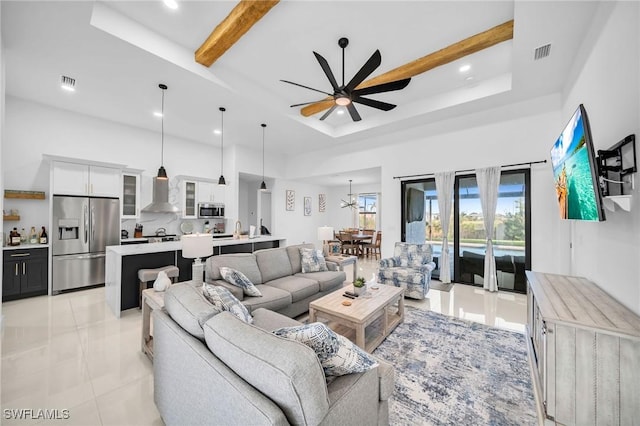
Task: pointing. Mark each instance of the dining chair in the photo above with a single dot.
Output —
(374, 246)
(348, 247)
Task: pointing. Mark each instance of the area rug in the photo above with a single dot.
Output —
(455, 372)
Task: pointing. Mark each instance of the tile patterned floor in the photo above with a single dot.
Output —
(69, 352)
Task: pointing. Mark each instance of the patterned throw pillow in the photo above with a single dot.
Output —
(239, 279)
(312, 260)
(222, 299)
(337, 354)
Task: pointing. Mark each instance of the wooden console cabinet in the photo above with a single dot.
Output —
(585, 352)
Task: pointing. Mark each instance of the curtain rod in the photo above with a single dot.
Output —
(470, 170)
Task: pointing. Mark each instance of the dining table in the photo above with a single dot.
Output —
(359, 240)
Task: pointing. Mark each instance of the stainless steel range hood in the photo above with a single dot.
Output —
(160, 202)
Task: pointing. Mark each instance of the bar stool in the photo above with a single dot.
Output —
(146, 275)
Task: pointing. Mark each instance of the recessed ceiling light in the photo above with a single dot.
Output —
(469, 78)
(464, 68)
(171, 4)
(68, 83)
(217, 131)
(157, 114)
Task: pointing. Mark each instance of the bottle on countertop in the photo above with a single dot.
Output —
(14, 237)
(43, 236)
(23, 236)
(33, 236)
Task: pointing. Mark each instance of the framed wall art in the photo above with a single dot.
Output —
(291, 200)
(307, 206)
(322, 202)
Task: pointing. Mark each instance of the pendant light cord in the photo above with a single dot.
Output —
(263, 128)
(162, 132)
(222, 110)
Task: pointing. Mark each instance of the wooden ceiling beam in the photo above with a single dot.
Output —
(243, 16)
(473, 44)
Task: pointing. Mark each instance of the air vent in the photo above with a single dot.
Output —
(68, 83)
(542, 52)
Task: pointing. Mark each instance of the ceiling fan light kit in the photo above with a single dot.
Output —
(352, 202)
(348, 94)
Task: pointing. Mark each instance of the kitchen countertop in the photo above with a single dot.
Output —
(130, 249)
(25, 247)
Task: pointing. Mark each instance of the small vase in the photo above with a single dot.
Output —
(359, 290)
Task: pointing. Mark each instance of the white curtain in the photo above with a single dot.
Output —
(444, 188)
(488, 183)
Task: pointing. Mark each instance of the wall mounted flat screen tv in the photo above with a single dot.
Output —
(575, 171)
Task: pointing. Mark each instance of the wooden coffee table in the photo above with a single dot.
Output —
(373, 318)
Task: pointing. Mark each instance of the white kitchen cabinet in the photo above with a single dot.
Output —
(188, 194)
(206, 192)
(84, 179)
(130, 195)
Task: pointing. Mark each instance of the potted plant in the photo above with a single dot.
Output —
(359, 286)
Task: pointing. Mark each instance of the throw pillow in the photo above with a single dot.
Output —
(222, 299)
(337, 354)
(312, 260)
(239, 279)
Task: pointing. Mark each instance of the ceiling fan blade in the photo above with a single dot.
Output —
(326, 114)
(370, 66)
(306, 87)
(327, 70)
(302, 104)
(354, 112)
(460, 49)
(384, 87)
(373, 103)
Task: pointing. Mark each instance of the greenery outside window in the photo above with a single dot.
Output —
(367, 207)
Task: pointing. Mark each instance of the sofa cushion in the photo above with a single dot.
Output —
(287, 371)
(295, 258)
(273, 264)
(337, 354)
(188, 307)
(327, 280)
(299, 287)
(243, 262)
(239, 279)
(225, 301)
(312, 260)
(268, 320)
(272, 298)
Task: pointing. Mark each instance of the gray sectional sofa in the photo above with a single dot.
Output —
(214, 369)
(277, 273)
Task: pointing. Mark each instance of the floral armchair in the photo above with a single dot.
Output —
(410, 267)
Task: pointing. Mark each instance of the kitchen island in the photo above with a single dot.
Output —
(124, 261)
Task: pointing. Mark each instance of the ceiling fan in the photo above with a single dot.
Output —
(352, 202)
(346, 94)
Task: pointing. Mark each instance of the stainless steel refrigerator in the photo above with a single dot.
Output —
(81, 229)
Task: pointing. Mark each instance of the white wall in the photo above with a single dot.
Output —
(34, 129)
(498, 142)
(607, 83)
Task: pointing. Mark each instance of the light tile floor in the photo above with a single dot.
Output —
(69, 352)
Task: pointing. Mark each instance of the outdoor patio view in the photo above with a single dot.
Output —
(467, 237)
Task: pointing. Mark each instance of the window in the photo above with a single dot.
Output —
(367, 207)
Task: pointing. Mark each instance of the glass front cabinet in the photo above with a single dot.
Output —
(130, 195)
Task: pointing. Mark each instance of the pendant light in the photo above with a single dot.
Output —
(263, 185)
(221, 180)
(352, 202)
(162, 173)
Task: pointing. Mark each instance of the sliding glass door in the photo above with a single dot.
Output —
(511, 239)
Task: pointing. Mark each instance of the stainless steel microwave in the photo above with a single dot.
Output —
(210, 210)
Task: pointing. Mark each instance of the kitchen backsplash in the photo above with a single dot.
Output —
(172, 223)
